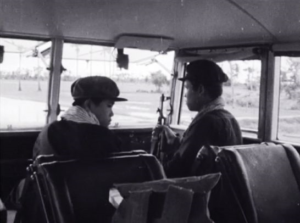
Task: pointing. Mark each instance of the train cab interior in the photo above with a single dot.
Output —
(144, 46)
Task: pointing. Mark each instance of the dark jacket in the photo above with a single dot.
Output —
(68, 138)
(217, 127)
(71, 139)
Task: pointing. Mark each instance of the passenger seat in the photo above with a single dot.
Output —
(260, 184)
(78, 190)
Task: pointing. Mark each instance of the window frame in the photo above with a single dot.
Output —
(268, 97)
(264, 53)
(54, 79)
(277, 59)
(32, 129)
(133, 126)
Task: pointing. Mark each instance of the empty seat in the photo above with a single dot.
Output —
(77, 190)
(260, 184)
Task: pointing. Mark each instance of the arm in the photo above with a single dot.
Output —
(42, 145)
(202, 133)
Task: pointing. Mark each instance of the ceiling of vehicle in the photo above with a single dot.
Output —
(191, 23)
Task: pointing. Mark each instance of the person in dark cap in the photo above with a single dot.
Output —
(83, 128)
(82, 132)
(213, 125)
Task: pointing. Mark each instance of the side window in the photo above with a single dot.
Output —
(289, 100)
(147, 77)
(240, 93)
(23, 84)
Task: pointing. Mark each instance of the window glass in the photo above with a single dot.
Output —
(148, 76)
(289, 102)
(23, 84)
(240, 93)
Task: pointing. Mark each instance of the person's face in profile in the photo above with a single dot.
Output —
(103, 111)
(191, 96)
(195, 98)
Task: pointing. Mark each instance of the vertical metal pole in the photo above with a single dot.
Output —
(268, 93)
(54, 82)
(276, 99)
(176, 92)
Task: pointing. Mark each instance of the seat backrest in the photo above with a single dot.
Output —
(51, 157)
(265, 179)
(78, 190)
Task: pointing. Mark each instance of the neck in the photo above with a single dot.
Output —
(205, 102)
(212, 103)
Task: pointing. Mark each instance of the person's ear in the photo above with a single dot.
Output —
(200, 90)
(87, 104)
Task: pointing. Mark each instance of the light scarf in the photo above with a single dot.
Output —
(80, 115)
(216, 104)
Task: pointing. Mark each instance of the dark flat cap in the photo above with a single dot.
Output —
(205, 72)
(96, 87)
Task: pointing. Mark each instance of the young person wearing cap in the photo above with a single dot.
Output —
(213, 125)
(82, 132)
(83, 128)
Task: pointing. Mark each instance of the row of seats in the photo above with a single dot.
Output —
(260, 183)
(72, 190)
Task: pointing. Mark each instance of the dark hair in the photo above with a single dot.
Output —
(80, 101)
(214, 90)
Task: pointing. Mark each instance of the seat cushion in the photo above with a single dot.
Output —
(264, 180)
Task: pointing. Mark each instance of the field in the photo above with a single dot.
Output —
(25, 107)
(23, 104)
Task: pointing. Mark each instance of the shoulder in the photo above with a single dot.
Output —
(61, 130)
(215, 119)
(218, 115)
(82, 139)
(75, 126)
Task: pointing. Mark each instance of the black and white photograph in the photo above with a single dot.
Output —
(150, 111)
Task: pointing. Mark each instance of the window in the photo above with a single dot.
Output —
(23, 84)
(147, 77)
(241, 94)
(289, 100)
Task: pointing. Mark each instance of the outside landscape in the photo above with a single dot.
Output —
(23, 89)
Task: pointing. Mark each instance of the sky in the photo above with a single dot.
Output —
(84, 60)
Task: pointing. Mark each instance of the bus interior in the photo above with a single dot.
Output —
(144, 45)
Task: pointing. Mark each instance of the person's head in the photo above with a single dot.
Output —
(203, 83)
(96, 94)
